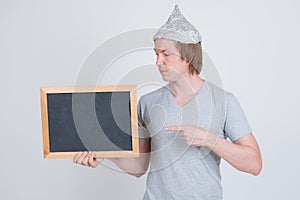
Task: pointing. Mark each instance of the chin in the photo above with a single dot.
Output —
(168, 77)
(165, 78)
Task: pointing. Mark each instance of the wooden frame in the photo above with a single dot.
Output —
(44, 91)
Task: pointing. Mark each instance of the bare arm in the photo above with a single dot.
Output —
(243, 154)
(136, 166)
(133, 166)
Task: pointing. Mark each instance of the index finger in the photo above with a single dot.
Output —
(76, 157)
(174, 128)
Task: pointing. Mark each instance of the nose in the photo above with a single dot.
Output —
(160, 60)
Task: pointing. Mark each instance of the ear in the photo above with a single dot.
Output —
(187, 64)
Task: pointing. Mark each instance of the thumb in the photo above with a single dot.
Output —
(93, 161)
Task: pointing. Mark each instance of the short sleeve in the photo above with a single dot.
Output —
(236, 123)
(143, 131)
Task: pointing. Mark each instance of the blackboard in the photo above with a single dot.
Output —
(101, 119)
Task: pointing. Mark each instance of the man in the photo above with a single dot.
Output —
(184, 125)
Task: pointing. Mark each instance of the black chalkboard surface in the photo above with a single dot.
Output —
(99, 119)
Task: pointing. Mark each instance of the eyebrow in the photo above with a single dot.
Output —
(160, 50)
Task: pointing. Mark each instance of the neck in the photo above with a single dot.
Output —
(186, 88)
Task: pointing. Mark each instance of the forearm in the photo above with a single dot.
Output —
(133, 166)
(136, 166)
(243, 154)
(242, 157)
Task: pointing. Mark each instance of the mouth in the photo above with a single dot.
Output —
(163, 71)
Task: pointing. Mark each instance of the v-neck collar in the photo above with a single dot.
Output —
(173, 101)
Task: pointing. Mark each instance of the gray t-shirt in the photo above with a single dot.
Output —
(179, 171)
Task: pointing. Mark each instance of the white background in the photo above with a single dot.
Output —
(253, 44)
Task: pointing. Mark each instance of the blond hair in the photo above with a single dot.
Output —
(192, 53)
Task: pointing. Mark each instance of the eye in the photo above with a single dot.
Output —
(166, 54)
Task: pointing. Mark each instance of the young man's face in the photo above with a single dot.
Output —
(169, 61)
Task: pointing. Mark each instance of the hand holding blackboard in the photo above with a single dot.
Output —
(87, 159)
(101, 119)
